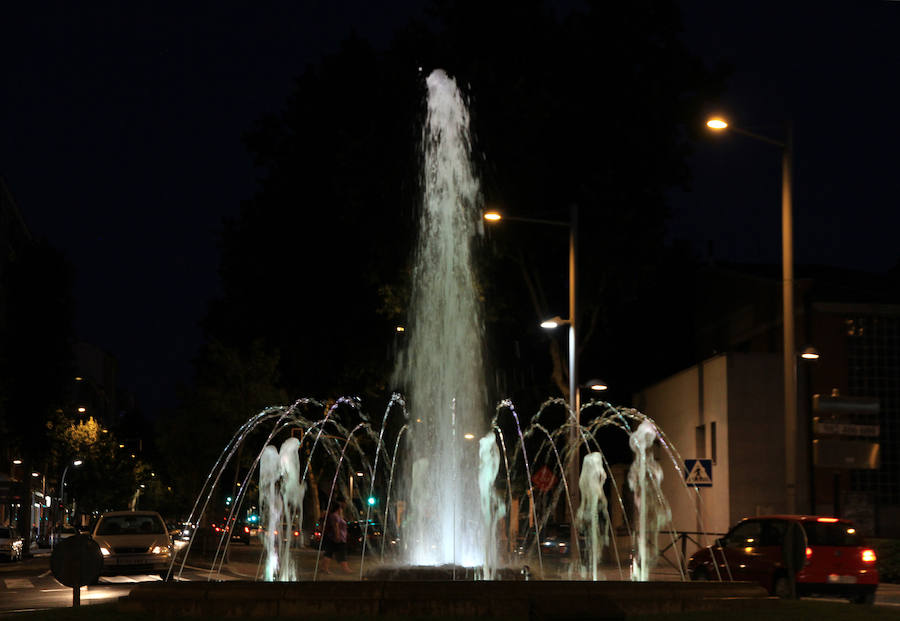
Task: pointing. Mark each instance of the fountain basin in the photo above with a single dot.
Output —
(394, 599)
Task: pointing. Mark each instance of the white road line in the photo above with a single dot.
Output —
(18, 583)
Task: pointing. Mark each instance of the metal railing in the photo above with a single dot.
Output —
(682, 538)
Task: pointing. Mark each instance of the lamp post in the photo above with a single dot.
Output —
(807, 355)
(62, 483)
(358, 474)
(787, 288)
(572, 321)
(573, 465)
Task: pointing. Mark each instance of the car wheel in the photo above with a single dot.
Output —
(782, 587)
(864, 598)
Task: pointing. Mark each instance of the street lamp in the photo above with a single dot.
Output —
(572, 321)
(809, 353)
(62, 483)
(574, 394)
(597, 385)
(787, 286)
(358, 474)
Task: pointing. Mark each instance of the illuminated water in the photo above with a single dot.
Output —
(644, 479)
(441, 370)
(447, 507)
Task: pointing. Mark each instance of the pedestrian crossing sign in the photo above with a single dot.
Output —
(698, 472)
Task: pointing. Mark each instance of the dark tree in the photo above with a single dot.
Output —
(589, 108)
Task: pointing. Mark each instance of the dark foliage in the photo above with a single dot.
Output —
(590, 109)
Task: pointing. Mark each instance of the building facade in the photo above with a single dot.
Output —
(729, 406)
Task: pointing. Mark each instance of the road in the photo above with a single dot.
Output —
(29, 585)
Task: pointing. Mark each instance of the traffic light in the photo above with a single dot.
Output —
(371, 500)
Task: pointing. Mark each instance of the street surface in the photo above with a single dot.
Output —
(29, 585)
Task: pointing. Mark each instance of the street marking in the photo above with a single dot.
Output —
(18, 583)
(118, 579)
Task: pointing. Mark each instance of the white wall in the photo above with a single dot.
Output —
(679, 404)
(739, 398)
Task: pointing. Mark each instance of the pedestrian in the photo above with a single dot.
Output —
(335, 538)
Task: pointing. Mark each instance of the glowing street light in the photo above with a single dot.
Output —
(573, 467)
(555, 322)
(787, 273)
(597, 385)
(809, 353)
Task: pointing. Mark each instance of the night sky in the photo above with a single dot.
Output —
(122, 122)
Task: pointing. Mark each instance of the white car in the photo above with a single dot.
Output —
(12, 546)
(133, 542)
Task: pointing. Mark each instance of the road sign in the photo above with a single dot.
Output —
(544, 479)
(76, 561)
(698, 472)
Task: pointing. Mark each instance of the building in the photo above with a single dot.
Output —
(14, 235)
(728, 407)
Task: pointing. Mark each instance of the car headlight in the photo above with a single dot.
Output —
(159, 550)
(104, 551)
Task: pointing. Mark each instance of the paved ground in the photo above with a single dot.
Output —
(29, 583)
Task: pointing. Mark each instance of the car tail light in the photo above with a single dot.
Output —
(868, 556)
(808, 553)
(247, 529)
(827, 520)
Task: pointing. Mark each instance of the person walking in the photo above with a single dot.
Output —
(335, 538)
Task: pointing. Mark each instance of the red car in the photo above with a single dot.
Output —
(837, 561)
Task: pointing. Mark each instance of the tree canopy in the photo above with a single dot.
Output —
(591, 107)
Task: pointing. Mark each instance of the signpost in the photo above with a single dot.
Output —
(76, 562)
(698, 472)
(544, 480)
(846, 433)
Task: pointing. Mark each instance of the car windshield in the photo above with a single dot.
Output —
(831, 534)
(130, 525)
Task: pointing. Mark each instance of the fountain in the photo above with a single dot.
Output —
(449, 505)
(442, 367)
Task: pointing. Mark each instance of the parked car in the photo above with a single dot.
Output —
(556, 540)
(838, 563)
(373, 535)
(133, 541)
(180, 533)
(12, 546)
(238, 531)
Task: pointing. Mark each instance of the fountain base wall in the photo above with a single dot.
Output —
(494, 599)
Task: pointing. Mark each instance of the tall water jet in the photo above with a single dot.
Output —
(593, 506)
(644, 479)
(493, 509)
(281, 503)
(442, 369)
